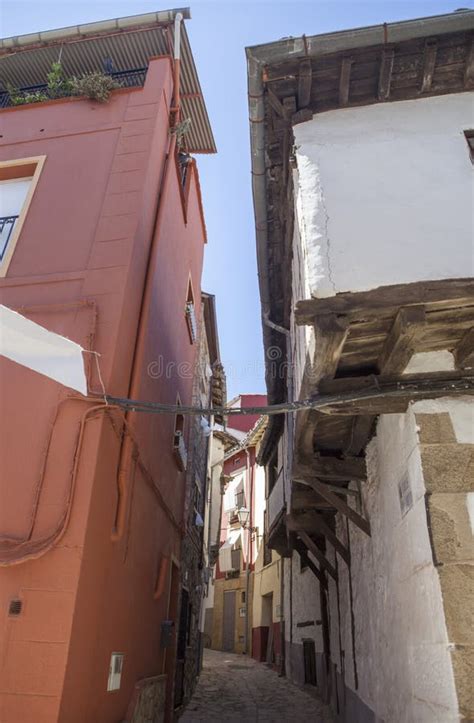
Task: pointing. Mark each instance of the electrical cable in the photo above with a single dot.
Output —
(419, 388)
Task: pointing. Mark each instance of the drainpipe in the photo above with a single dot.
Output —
(250, 473)
(177, 68)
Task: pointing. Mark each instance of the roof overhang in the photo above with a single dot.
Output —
(292, 79)
(130, 42)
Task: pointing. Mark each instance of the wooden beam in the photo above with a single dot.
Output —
(449, 293)
(339, 488)
(361, 430)
(385, 73)
(340, 505)
(469, 69)
(345, 80)
(331, 333)
(312, 522)
(318, 554)
(429, 62)
(276, 104)
(399, 344)
(307, 499)
(332, 468)
(464, 352)
(391, 395)
(303, 553)
(305, 77)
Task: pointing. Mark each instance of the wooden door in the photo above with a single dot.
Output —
(228, 621)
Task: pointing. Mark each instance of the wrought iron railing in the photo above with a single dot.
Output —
(7, 224)
(126, 79)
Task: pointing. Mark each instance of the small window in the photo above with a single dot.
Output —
(115, 671)
(469, 135)
(190, 314)
(18, 181)
(239, 499)
(179, 444)
(242, 597)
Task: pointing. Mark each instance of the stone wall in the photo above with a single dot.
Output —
(148, 701)
(401, 615)
(448, 469)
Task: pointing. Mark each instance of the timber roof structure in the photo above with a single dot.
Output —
(291, 80)
(127, 44)
(364, 340)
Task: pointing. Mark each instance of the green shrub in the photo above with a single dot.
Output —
(95, 86)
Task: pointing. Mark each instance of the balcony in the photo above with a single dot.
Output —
(276, 513)
(125, 78)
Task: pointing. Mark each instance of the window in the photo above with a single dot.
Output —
(179, 445)
(184, 170)
(242, 597)
(239, 499)
(115, 671)
(190, 314)
(18, 181)
(469, 135)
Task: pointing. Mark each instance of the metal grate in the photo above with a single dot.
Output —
(15, 607)
(126, 78)
(6, 227)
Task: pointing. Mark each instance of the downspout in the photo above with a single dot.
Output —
(257, 146)
(176, 107)
(135, 377)
(249, 552)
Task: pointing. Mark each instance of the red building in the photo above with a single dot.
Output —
(105, 247)
(242, 530)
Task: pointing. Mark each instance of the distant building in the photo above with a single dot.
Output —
(362, 148)
(246, 587)
(102, 237)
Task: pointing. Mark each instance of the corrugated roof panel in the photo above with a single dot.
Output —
(128, 49)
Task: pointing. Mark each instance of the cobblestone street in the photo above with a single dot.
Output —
(236, 688)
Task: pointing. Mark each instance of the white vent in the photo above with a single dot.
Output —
(115, 671)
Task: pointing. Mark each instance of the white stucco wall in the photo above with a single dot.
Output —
(384, 194)
(401, 643)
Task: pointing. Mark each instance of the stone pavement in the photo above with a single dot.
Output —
(236, 688)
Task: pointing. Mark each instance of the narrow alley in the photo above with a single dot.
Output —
(236, 688)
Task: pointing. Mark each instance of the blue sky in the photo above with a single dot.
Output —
(219, 32)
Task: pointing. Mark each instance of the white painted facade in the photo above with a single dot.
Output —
(384, 194)
(402, 650)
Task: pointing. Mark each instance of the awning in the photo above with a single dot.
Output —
(225, 552)
(235, 486)
(27, 343)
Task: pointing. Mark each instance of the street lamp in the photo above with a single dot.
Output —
(243, 515)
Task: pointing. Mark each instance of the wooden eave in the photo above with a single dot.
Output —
(295, 89)
(365, 341)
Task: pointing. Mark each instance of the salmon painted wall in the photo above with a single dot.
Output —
(245, 422)
(79, 269)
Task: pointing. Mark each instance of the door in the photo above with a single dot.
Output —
(309, 654)
(228, 621)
